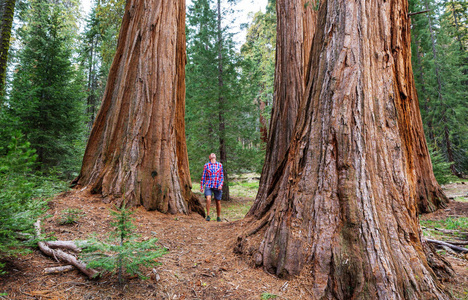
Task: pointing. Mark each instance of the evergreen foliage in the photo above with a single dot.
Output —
(99, 43)
(122, 253)
(22, 196)
(92, 62)
(46, 101)
(258, 53)
(70, 216)
(440, 70)
(440, 167)
(109, 16)
(204, 127)
(7, 9)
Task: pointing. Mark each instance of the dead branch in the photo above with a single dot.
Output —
(451, 231)
(453, 247)
(70, 245)
(56, 270)
(419, 12)
(458, 243)
(65, 257)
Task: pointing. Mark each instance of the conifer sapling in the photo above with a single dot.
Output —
(122, 253)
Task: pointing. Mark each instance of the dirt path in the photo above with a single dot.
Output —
(457, 190)
(200, 263)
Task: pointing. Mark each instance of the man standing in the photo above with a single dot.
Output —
(212, 180)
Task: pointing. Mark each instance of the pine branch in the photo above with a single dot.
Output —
(419, 12)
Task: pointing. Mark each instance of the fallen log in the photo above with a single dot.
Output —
(65, 257)
(56, 270)
(453, 247)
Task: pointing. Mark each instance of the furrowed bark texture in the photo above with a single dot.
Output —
(137, 145)
(343, 204)
(295, 30)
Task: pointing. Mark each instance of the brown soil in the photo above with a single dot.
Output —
(200, 263)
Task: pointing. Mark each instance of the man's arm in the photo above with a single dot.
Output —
(221, 180)
(202, 182)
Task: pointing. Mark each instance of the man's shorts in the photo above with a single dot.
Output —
(217, 193)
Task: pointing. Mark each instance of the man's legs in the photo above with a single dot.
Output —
(218, 207)
(217, 195)
(208, 204)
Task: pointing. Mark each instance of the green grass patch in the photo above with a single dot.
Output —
(236, 210)
(246, 189)
(449, 223)
(243, 185)
(266, 296)
(461, 199)
(458, 224)
(438, 235)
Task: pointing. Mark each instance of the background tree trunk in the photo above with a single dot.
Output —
(343, 204)
(137, 145)
(295, 31)
(7, 11)
(221, 102)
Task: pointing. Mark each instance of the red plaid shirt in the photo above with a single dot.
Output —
(213, 176)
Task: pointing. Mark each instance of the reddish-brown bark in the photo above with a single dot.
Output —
(137, 145)
(295, 30)
(342, 206)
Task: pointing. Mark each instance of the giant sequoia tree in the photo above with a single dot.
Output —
(295, 31)
(342, 204)
(137, 145)
(296, 28)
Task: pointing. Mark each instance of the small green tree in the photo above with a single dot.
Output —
(121, 253)
(19, 205)
(70, 216)
(46, 100)
(440, 167)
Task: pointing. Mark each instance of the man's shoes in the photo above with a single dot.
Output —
(218, 219)
(208, 218)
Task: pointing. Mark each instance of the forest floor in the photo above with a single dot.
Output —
(200, 263)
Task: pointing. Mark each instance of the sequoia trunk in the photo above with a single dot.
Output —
(343, 203)
(295, 31)
(137, 145)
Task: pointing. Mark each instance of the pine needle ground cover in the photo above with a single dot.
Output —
(199, 264)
